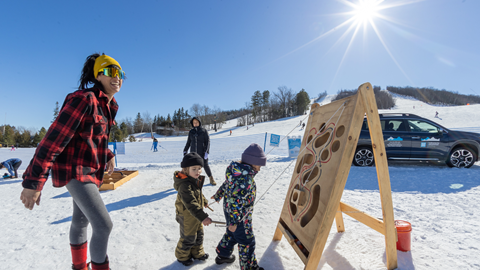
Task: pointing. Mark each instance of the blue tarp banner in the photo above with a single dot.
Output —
(120, 148)
(294, 144)
(274, 140)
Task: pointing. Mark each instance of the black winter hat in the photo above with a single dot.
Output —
(254, 155)
(191, 159)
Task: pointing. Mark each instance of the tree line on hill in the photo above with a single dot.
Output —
(20, 137)
(263, 106)
(384, 99)
(434, 96)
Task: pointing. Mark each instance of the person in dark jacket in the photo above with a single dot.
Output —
(189, 210)
(75, 150)
(12, 166)
(238, 193)
(199, 142)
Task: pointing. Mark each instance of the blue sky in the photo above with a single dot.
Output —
(217, 53)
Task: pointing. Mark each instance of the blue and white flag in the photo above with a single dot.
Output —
(294, 144)
(274, 140)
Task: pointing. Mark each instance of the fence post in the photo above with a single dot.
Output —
(265, 143)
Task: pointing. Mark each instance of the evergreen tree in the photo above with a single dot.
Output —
(265, 105)
(25, 139)
(42, 133)
(36, 139)
(124, 128)
(256, 104)
(168, 122)
(154, 125)
(301, 102)
(175, 118)
(162, 121)
(55, 112)
(186, 120)
(138, 124)
(9, 136)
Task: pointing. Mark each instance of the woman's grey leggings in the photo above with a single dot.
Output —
(88, 207)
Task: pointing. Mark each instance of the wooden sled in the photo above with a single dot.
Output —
(118, 178)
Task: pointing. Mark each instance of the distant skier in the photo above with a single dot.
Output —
(303, 125)
(13, 148)
(230, 132)
(154, 145)
(436, 114)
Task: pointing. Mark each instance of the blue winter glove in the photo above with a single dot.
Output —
(206, 156)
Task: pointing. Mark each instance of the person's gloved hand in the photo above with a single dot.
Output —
(206, 156)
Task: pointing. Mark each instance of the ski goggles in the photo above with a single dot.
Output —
(112, 72)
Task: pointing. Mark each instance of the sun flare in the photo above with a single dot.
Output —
(366, 10)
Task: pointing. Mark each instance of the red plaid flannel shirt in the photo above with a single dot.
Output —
(76, 144)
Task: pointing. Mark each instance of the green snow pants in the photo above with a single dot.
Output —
(190, 243)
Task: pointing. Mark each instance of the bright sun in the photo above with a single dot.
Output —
(366, 10)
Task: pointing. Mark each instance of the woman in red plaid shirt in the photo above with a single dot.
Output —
(75, 150)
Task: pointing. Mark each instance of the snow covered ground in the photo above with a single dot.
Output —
(441, 203)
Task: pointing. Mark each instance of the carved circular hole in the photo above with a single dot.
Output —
(295, 196)
(322, 128)
(313, 208)
(322, 140)
(306, 159)
(309, 139)
(311, 175)
(340, 131)
(335, 146)
(293, 207)
(325, 155)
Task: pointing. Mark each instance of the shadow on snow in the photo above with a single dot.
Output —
(129, 202)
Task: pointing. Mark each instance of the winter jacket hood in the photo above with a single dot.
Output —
(190, 199)
(237, 169)
(198, 140)
(180, 178)
(198, 119)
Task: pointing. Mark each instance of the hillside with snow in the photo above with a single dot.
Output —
(440, 203)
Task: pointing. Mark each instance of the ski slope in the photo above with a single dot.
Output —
(439, 202)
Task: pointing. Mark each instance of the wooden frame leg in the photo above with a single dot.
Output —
(339, 220)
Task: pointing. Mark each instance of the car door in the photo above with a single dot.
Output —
(397, 141)
(427, 140)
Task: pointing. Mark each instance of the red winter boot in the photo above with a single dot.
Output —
(100, 266)
(79, 256)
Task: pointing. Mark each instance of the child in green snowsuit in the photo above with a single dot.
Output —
(189, 210)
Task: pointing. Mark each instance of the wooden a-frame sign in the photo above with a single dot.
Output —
(320, 174)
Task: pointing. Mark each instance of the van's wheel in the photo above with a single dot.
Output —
(363, 157)
(461, 157)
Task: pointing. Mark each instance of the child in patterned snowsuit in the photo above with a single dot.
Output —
(238, 193)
